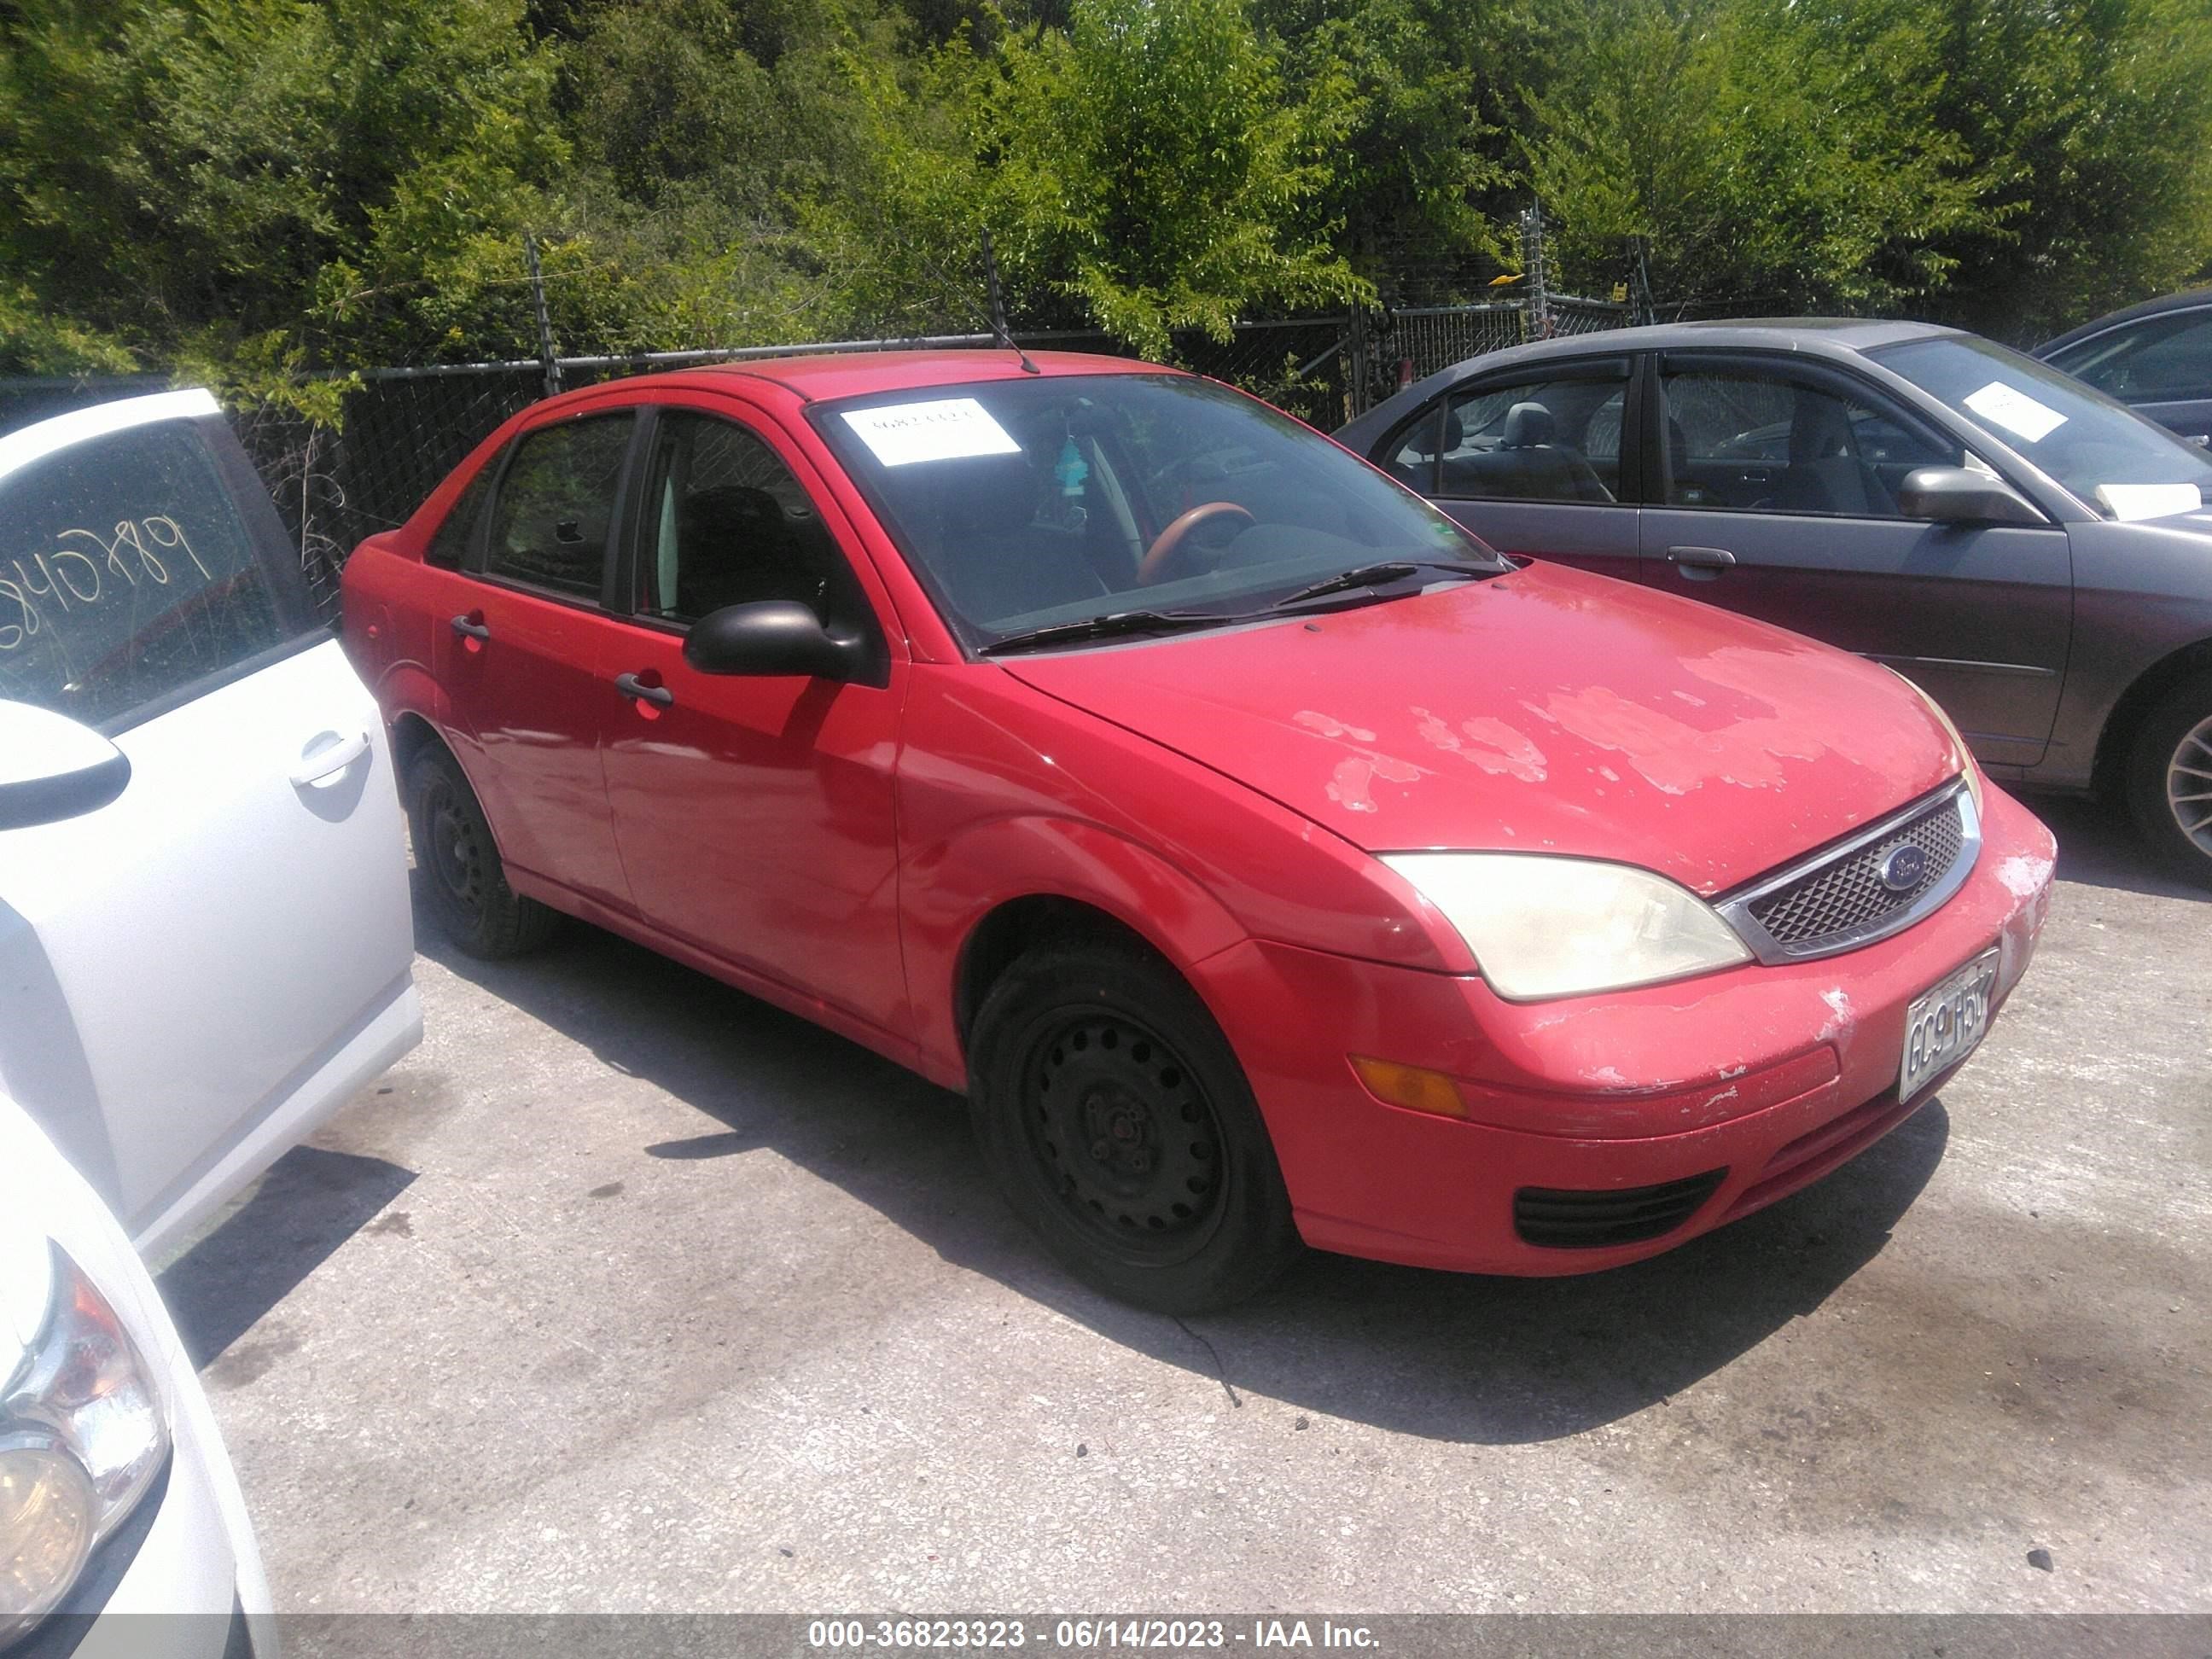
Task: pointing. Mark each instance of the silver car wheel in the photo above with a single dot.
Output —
(2189, 785)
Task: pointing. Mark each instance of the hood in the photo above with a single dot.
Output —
(1546, 711)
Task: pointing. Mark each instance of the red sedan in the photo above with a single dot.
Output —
(1267, 859)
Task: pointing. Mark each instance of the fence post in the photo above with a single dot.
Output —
(1537, 314)
(544, 318)
(1355, 380)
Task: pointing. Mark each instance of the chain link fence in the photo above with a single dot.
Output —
(402, 429)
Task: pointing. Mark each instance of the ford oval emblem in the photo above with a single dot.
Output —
(1904, 869)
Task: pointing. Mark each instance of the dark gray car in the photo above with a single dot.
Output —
(2156, 357)
(2034, 555)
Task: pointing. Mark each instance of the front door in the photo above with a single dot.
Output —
(1775, 494)
(192, 974)
(754, 814)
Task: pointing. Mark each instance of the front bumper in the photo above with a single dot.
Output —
(1771, 1075)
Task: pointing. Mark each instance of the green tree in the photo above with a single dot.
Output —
(2092, 121)
(1769, 158)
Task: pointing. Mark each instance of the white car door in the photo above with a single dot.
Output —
(198, 966)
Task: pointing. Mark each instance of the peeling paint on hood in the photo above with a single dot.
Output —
(1547, 709)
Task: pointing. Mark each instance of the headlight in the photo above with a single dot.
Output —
(1558, 926)
(82, 1438)
(1973, 773)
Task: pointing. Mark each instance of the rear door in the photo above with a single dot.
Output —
(1531, 460)
(1772, 491)
(193, 975)
(518, 658)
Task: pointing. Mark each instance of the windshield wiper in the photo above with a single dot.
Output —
(1106, 627)
(1372, 575)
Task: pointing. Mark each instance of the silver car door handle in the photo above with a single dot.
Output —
(324, 764)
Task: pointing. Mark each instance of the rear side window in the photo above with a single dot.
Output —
(556, 503)
(130, 572)
(451, 544)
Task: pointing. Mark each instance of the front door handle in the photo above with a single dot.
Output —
(321, 765)
(1700, 564)
(637, 690)
(470, 626)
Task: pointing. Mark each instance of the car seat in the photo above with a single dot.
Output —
(1823, 476)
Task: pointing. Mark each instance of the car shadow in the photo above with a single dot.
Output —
(1445, 1355)
(2099, 846)
(309, 1203)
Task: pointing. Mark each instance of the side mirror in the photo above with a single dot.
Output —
(771, 637)
(51, 768)
(1952, 495)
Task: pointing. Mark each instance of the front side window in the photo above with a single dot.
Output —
(727, 524)
(1551, 440)
(556, 504)
(1760, 441)
(1028, 503)
(127, 571)
(2106, 453)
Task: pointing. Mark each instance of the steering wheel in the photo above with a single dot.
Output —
(1167, 550)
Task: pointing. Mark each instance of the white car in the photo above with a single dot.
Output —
(122, 1529)
(205, 949)
(205, 942)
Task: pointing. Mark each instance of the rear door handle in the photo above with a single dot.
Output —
(321, 765)
(470, 629)
(636, 690)
(1700, 564)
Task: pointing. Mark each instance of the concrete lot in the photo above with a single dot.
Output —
(626, 1291)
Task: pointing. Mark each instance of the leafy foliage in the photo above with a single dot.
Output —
(256, 190)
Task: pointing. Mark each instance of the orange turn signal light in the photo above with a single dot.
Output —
(1414, 1087)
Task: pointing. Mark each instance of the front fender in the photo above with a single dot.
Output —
(954, 885)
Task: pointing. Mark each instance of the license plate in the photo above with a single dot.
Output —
(1945, 1022)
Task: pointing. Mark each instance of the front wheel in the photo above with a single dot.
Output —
(1120, 1127)
(2170, 780)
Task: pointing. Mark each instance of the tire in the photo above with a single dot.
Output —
(453, 847)
(2172, 747)
(1149, 1174)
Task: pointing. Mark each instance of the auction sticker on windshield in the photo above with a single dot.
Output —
(2014, 411)
(944, 430)
(1944, 1024)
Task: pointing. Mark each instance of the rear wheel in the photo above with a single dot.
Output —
(2170, 780)
(1119, 1125)
(453, 845)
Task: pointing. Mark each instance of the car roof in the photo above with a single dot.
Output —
(821, 376)
(2188, 300)
(1824, 337)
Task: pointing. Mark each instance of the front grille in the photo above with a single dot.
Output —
(1570, 1220)
(1846, 896)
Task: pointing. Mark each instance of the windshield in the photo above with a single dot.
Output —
(1028, 503)
(2111, 458)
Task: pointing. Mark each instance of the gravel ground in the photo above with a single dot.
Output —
(627, 1292)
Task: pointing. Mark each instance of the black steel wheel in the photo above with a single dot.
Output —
(453, 846)
(1119, 1126)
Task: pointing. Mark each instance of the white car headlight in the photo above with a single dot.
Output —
(82, 1435)
(1543, 926)
(1972, 772)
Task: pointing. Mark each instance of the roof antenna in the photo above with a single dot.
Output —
(998, 308)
